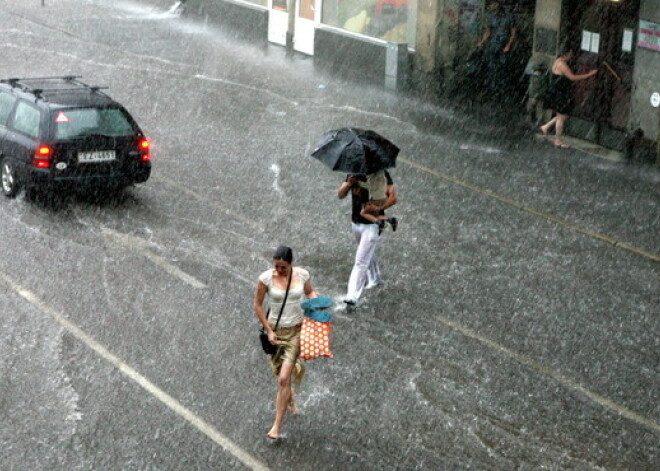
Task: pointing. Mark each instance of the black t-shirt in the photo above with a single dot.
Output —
(360, 197)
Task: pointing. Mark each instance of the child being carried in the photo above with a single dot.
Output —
(373, 210)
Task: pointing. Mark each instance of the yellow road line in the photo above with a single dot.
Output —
(169, 401)
(537, 212)
(560, 378)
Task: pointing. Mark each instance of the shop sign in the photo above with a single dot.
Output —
(649, 35)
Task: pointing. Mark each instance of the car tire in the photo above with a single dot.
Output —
(9, 181)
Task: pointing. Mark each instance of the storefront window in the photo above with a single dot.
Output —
(390, 20)
(306, 9)
(280, 5)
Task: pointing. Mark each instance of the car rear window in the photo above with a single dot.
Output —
(81, 122)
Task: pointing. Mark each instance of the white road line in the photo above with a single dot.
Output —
(210, 203)
(141, 246)
(167, 400)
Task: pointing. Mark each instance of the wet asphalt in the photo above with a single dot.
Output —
(517, 327)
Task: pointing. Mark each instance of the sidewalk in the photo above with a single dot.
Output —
(593, 149)
(513, 112)
(509, 117)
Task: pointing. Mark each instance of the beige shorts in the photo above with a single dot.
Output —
(288, 350)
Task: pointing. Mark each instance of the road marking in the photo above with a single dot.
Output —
(169, 401)
(141, 246)
(564, 380)
(537, 212)
(208, 202)
(283, 98)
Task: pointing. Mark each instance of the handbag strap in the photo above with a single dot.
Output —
(286, 295)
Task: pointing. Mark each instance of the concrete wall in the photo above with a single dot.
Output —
(647, 80)
(345, 55)
(547, 23)
(362, 58)
(242, 20)
(162, 4)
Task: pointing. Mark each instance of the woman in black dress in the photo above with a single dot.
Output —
(560, 95)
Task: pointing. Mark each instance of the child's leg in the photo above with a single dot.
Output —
(369, 216)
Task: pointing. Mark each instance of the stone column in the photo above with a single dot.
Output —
(435, 48)
(547, 24)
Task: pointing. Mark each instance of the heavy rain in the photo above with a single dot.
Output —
(516, 326)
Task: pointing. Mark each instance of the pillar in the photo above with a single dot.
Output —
(435, 49)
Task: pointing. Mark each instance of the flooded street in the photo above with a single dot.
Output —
(517, 326)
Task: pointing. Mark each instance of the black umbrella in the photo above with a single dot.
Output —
(352, 150)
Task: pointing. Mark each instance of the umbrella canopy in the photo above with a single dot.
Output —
(352, 150)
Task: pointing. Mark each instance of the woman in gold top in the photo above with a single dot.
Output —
(286, 306)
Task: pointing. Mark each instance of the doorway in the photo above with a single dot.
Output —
(602, 34)
(308, 15)
(278, 21)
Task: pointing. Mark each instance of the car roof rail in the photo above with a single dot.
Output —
(78, 85)
(16, 81)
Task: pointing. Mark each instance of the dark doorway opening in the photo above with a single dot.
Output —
(603, 35)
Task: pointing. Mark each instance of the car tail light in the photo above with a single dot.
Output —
(144, 146)
(42, 156)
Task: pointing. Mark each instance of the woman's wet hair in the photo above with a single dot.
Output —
(283, 253)
(566, 49)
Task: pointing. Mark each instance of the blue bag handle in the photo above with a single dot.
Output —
(313, 308)
(319, 316)
(322, 302)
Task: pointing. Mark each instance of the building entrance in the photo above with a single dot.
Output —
(308, 15)
(602, 34)
(278, 21)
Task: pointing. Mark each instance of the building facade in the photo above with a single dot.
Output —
(425, 44)
(620, 107)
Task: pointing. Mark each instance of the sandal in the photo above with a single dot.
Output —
(543, 134)
(561, 145)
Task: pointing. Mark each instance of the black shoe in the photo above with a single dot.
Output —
(350, 304)
(394, 222)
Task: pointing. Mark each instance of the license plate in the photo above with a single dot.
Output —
(96, 156)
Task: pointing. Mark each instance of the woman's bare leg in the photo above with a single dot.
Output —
(559, 131)
(284, 395)
(291, 407)
(547, 126)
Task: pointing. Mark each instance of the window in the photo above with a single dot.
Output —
(6, 104)
(26, 119)
(279, 5)
(390, 20)
(81, 122)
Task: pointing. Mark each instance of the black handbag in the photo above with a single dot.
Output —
(269, 348)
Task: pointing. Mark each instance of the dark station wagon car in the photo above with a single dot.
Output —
(60, 132)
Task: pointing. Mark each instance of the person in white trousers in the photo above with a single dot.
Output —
(366, 272)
